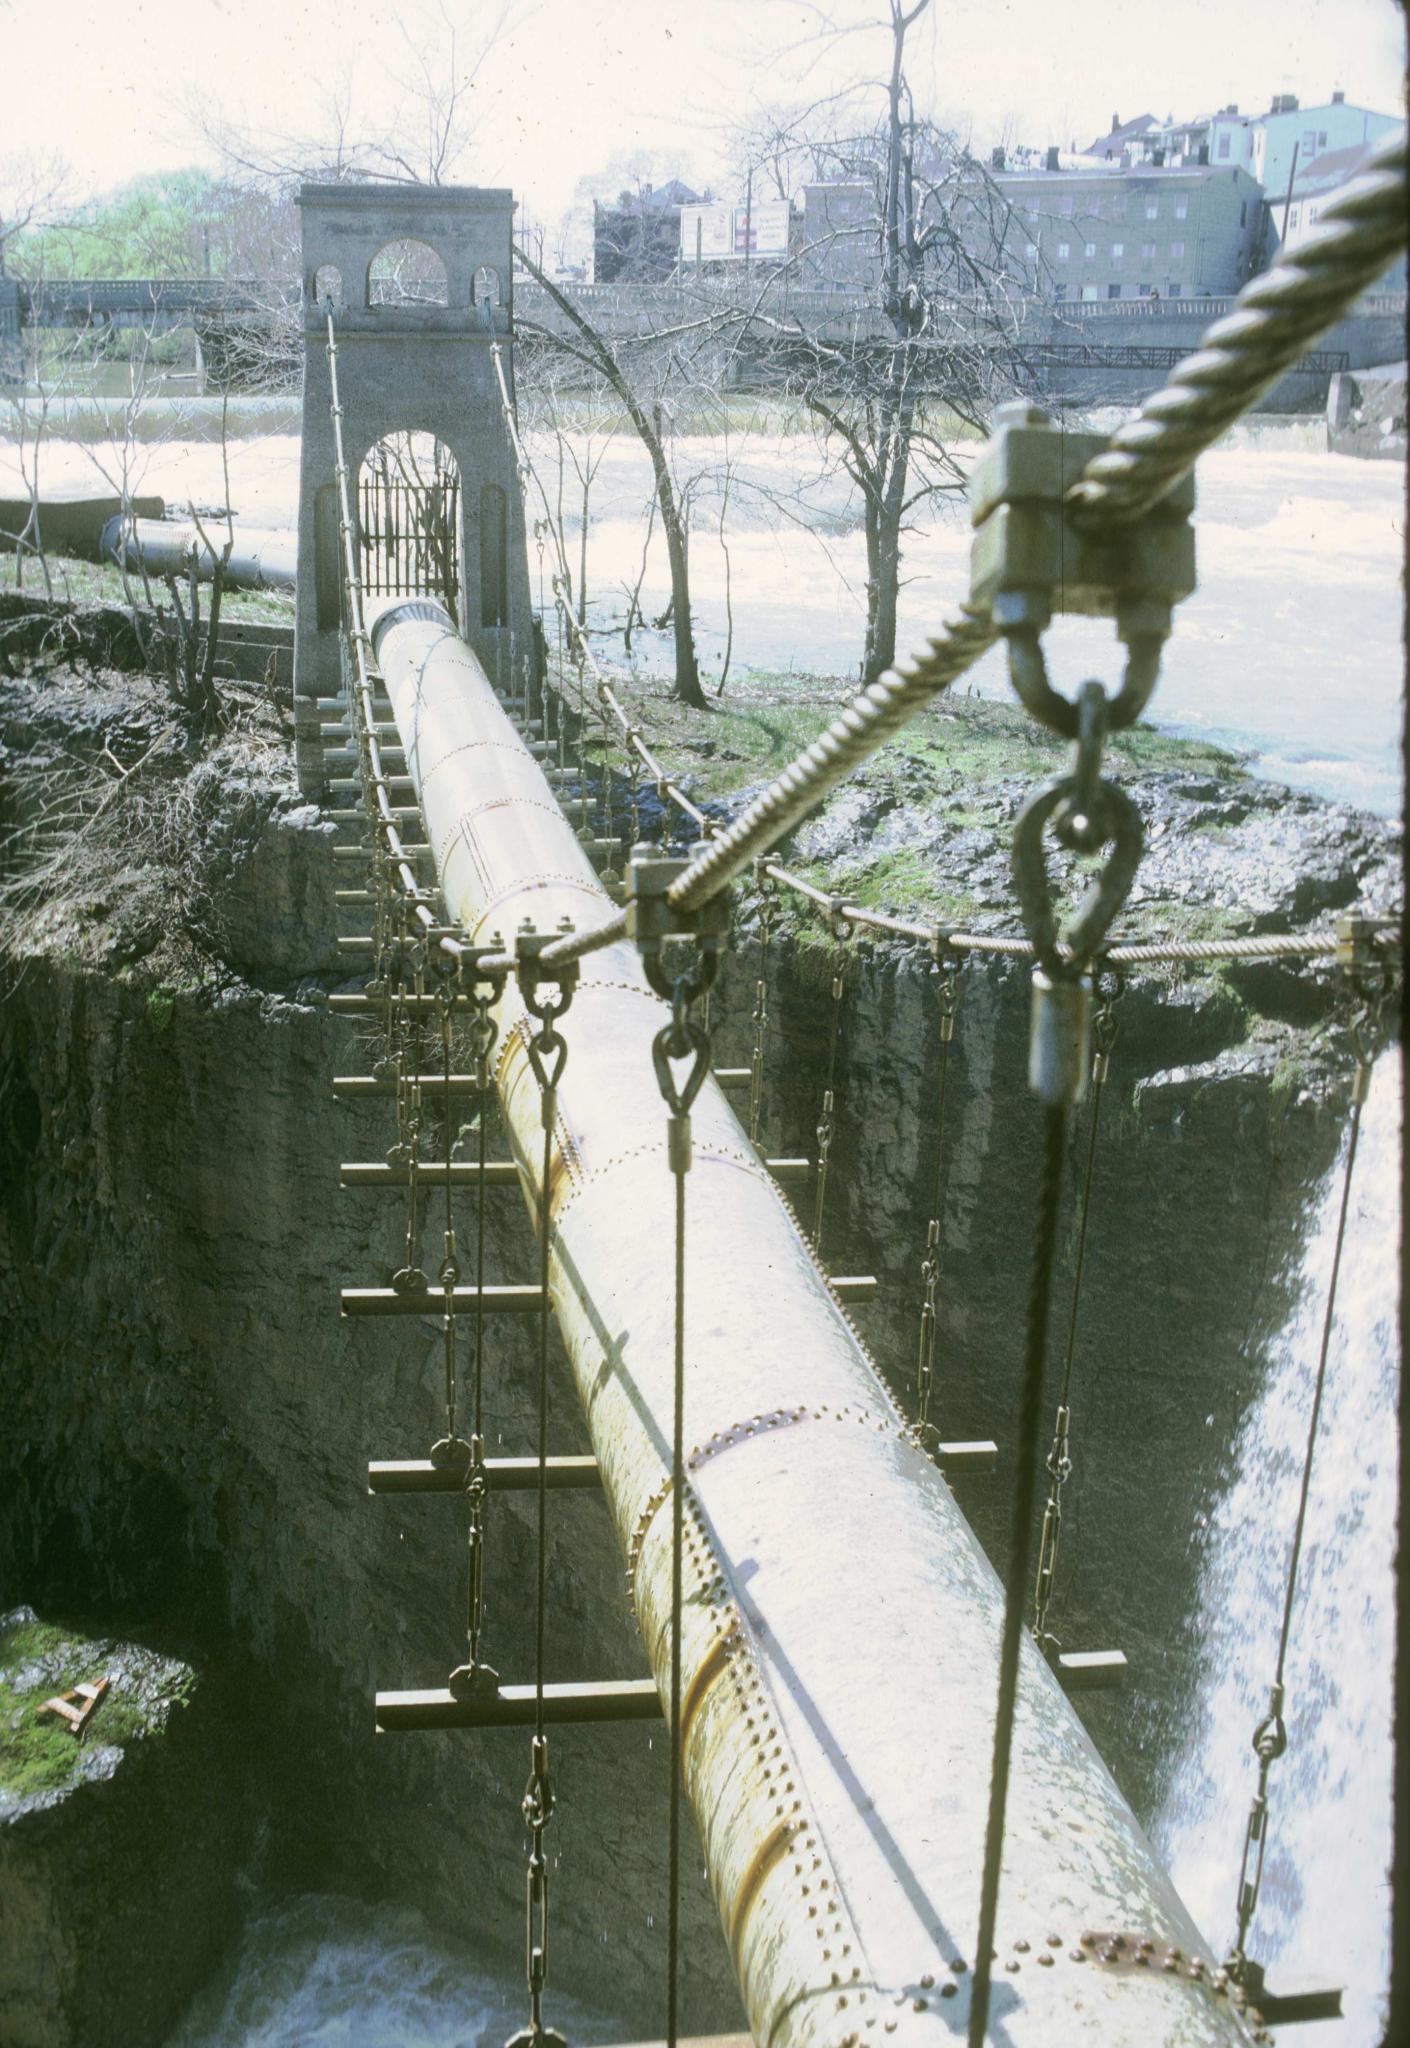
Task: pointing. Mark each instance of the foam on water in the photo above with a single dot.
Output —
(1289, 650)
(330, 1973)
(1324, 1911)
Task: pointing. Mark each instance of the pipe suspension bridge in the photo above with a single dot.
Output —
(908, 1833)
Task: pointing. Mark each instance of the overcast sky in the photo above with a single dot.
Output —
(570, 85)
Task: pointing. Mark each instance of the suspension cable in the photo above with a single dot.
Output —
(1028, 1433)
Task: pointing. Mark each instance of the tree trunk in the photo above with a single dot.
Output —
(688, 689)
(884, 550)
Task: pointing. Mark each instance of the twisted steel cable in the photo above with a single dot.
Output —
(1277, 314)
(866, 724)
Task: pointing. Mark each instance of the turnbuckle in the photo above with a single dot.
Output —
(548, 1049)
(652, 921)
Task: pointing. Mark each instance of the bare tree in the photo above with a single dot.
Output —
(602, 358)
(33, 191)
(944, 323)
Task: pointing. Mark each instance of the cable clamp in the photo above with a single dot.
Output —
(1031, 557)
(652, 919)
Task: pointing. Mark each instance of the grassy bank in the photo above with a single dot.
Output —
(922, 831)
(77, 582)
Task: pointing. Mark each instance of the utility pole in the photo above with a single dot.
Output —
(1287, 199)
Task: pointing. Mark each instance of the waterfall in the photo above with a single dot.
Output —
(1324, 1915)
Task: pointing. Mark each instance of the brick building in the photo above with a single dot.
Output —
(1175, 231)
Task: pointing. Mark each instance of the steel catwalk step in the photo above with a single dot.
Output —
(512, 1706)
(392, 1301)
(502, 1475)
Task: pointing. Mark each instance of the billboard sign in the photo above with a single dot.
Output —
(729, 234)
(761, 230)
(706, 234)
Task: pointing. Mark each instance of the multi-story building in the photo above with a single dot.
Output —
(1165, 231)
(1311, 132)
(1315, 184)
(1261, 144)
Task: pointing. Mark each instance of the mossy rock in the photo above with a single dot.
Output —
(118, 1847)
(40, 1757)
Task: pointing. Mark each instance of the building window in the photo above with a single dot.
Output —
(1059, 291)
(1113, 291)
(1321, 138)
(1118, 250)
(1309, 142)
(1243, 213)
(1148, 252)
(1294, 216)
(1143, 291)
(1177, 250)
(1066, 207)
(1174, 290)
(1182, 208)
(1089, 250)
(1064, 250)
(1152, 209)
(1089, 291)
(1030, 250)
(1224, 143)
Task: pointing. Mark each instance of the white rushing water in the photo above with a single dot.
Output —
(330, 1973)
(1290, 648)
(1324, 1913)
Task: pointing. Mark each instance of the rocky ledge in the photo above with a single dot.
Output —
(117, 1859)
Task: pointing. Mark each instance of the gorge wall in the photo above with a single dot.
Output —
(187, 1420)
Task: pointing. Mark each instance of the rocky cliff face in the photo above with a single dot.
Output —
(187, 1422)
(119, 1845)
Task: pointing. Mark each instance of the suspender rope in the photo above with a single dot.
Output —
(842, 932)
(1030, 1416)
(1270, 1737)
(681, 1039)
(547, 997)
(651, 922)
(409, 1278)
(1086, 813)
(768, 911)
(474, 1678)
(933, 1254)
(1104, 1030)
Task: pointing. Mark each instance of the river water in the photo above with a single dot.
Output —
(1290, 651)
(319, 1972)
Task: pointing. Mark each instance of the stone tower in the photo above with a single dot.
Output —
(421, 367)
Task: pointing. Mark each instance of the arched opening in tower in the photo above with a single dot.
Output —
(408, 512)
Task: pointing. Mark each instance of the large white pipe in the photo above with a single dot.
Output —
(841, 1622)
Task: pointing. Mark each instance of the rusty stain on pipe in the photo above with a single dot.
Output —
(841, 1624)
